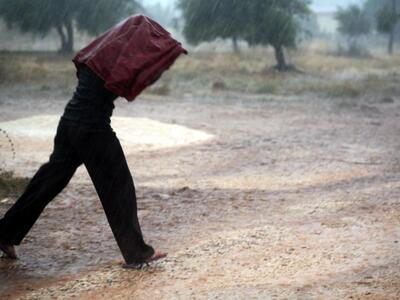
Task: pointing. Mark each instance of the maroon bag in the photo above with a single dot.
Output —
(131, 55)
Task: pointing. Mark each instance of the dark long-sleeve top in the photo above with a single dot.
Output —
(92, 103)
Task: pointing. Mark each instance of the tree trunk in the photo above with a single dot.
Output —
(280, 58)
(70, 36)
(391, 42)
(392, 33)
(66, 32)
(235, 44)
(62, 37)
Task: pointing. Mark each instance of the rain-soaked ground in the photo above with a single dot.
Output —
(294, 197)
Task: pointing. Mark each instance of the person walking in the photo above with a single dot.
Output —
(123, 61)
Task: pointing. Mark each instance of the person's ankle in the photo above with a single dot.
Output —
(8, 250)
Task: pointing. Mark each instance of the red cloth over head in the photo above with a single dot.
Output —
(131, 55)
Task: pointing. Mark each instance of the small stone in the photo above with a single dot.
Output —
(5, 200)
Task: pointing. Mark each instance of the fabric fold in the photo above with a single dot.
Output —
(131, 55)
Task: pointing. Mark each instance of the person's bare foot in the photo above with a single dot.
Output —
(8, 250)
(138, 265)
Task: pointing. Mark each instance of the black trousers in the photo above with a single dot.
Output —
(98, 148)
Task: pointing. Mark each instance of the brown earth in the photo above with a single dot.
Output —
(296, 197)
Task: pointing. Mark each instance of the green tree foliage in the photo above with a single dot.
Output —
(353, 23)
(208, 20)
(276, 23)
(372, 7)
(387, 18)
(40, 16)
(259, 22)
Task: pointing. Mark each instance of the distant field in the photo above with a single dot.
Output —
(320, 72)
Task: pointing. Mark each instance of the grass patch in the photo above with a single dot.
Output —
(250, 72)
(344, 90)
(35, 67)
(332, 90)
(266, 87)
(160, 90)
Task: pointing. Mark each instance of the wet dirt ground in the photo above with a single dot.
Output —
(296, 197)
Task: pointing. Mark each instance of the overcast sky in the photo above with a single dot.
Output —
(318, 5)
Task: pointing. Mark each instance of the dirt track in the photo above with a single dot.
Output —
(296, 197)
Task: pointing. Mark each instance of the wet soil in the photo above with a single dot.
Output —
(295, 197)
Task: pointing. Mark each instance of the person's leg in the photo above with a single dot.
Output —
(48, 181)
(105, 161)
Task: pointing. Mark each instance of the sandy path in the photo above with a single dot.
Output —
(293, 198)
